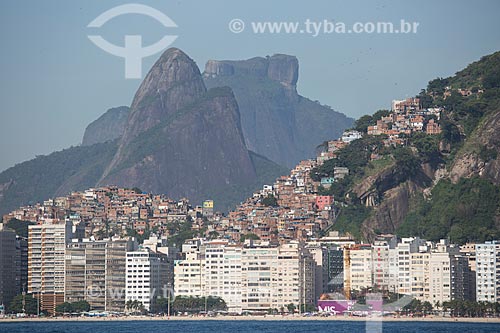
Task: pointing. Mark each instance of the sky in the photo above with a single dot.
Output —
(55, 81)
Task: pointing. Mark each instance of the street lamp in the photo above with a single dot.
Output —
(38, 304)
(168, 300)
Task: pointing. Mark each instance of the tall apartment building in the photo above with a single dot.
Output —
(189, 273)
(250, 278)
(402, 251)
(115, 278)
(488, 272)
(420, 274)
(320, 257)
(449, 274)
(46, 246)
(21, 264)
(469, 251)
(160, 245)
(381, 262)
(223, 273)
(8, 258)
(146, 277)
(428, 272)
(360, 273)
(257, 265)
(94, 266)
(294, 278)
(335, 268)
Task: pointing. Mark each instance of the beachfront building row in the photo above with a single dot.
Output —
(429, 272)
(64, 267)
(95, 272)
(248, 277)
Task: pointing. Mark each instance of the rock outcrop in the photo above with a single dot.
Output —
(276, 121)
(108, 127)
(173, 82)
(181, 139)
(479, 157)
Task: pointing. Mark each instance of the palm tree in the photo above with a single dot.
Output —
(426, 307)
(134, 306)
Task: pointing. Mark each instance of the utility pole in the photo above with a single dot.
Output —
(168, 301)
(24, 300)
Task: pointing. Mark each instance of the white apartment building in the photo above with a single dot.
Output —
(449, 274)
(189, 273)
(253, 278)
(440, 277)
(420, 275)
(384, 264)
(434, 273)
(360, 275)
(293, 281)
(403, 250)
(223, 273)
(146, 277)
(257, 264)
(320, 256)
(46, 246)
(488, 272)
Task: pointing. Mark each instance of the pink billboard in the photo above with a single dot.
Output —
(335, 306)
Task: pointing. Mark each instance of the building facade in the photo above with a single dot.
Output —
(146, 277)
(488, 272)
(8, 258)
(248, 278)
(95, 272)
(46, 245)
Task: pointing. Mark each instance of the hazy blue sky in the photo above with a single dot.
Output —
(54, 81)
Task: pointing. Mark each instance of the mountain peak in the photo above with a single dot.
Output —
(282, 68)
(276, 121)
(174, 69)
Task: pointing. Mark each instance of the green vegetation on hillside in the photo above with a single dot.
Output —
(39, 179)
(465, 211)
(351, 218)
(20, 227)
(462, 212)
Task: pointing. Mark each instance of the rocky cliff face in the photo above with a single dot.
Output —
(284, 69)
(198, 151)
(108, 127)
(479, 155)
(276, 121)
(390, 196)
(181, 139)
(389, 215)
(172, 83)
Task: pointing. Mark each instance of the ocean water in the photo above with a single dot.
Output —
(224, 326)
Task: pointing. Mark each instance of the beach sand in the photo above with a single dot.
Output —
(256, 318)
